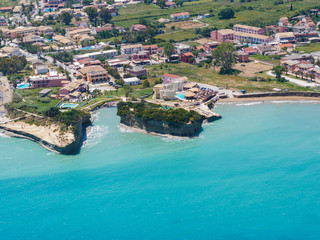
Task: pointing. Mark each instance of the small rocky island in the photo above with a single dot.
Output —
(162, 120)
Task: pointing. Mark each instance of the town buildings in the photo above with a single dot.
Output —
(94, 74)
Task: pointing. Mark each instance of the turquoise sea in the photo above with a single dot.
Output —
(254, 174)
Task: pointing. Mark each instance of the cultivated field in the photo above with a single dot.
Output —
(185, 25)
(263, 12)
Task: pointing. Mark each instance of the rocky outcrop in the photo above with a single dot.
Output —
(70, 147)
(164, 128)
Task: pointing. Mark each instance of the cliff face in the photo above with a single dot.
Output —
(162, 127)
(65, 145)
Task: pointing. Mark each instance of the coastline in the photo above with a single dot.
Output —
(268, 99)
(139, 130)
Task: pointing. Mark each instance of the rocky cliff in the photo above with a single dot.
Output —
(163, 127)
(49, 137)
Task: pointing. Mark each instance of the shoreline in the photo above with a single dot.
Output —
(268, 99)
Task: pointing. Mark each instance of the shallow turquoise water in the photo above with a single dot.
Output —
(252, 175)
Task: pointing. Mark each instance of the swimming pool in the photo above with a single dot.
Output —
(85, 48)
(69, 105)
(24, 85)
(180, 95)
(48, 9)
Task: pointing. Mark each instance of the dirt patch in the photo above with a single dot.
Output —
(251, 68)
(185, 25)
(203, 40)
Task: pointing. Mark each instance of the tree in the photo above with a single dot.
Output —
(226, 13)
(86, 2)
(105, 15)
(278, 70)
(92, 13)
(146, 84)
(224, 56)
(66, 18)
(168, 49)
(161, 3)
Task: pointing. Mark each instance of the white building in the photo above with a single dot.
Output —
(132, 81)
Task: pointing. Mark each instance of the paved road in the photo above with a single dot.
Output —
(297, 81)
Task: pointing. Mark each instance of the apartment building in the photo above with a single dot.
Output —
(94, 74)
(130, 49)
(252, 38)
(248, 29)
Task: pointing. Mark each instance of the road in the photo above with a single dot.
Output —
(297, 81)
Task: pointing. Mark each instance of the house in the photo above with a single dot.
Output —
(137, 71)
(209, 47)
(222, 35)
(10, 51)
(182, 48)
(6, 9)
(286, 46)
(179, 16)
(17, 10)
(170, 4)
(41, 69)
(141, 58)
(52, 79)
(77, 31)
(250, 50)
(264, 48)
(94, 74)
(72, 91)
(130, 49)
(138, 28)
(242, 56)
(167, 78)
(290, 65)
(32, 39)
(151, 49)
(187, 57)
(287, 37)
(132, 81)
(3, 21)
(62, 40)
(284, 22)
(44, 92)
(248, 29)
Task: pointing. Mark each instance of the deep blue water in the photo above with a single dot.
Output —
(254, 174)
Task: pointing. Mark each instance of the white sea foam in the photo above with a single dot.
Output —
(125, 129)
(248, 103)
(294, 101)
(95, 135)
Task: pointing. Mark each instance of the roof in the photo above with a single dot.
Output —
(225, 31)
(251, 35)
(133, 46)
(132, 79)
(286, 35)
(188, 54)
(170, 75)
(45, 91)
(189, 94)
(92, 69)
(180, 14)
(247, 27)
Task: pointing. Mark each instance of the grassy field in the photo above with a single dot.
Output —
(30, 98)
(263, 11)
(6, 3)
(178, 36)
(312, 47)
(210, 76)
